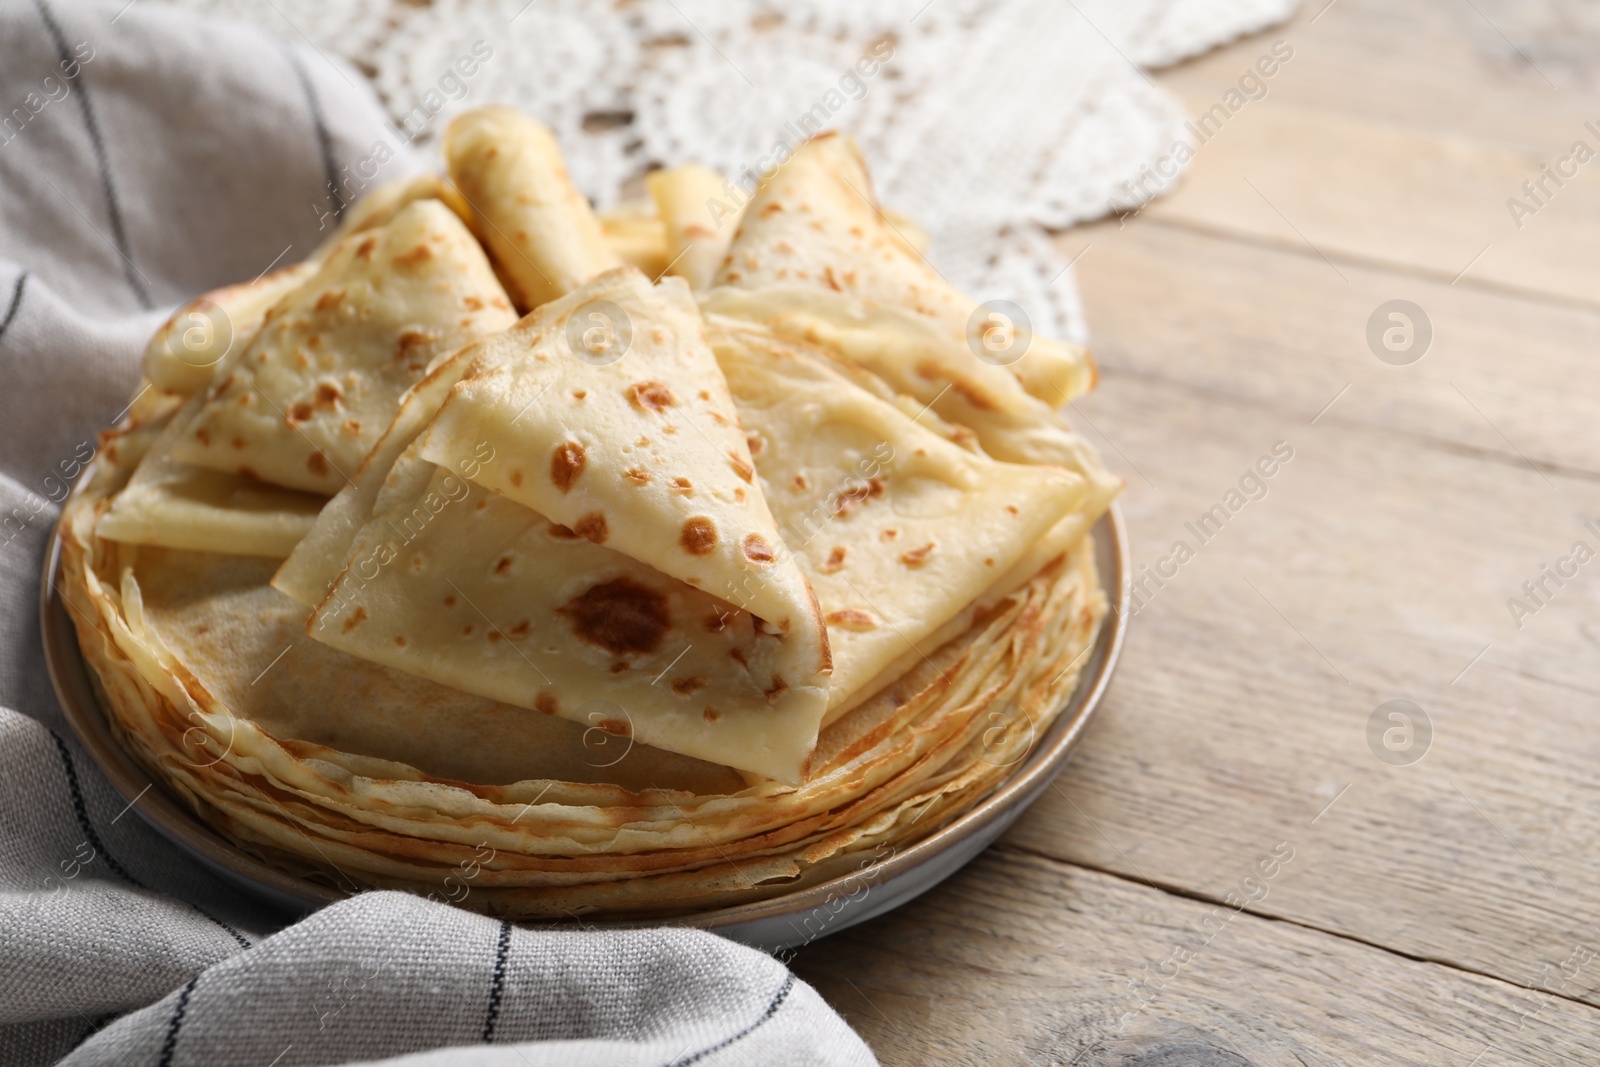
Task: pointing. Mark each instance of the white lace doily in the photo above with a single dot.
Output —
(990, 122)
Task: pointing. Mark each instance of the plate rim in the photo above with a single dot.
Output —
(156, 802)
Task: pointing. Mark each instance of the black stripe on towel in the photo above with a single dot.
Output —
(16, 302)
(170, 1042)
(80, 808)
(497, 984)
(119, 236)
(319, 121)
(772, 1009)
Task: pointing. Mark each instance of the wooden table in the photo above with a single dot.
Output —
(1227, 873)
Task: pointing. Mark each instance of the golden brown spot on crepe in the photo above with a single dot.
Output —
(719, 418)
(851, 619)
(472, 303)
(356, 618)
(249, 472)
(801, 483)
(579, 394)
(400, 642)
(988, 561)
(515, 478)
(482, 503)
(710, 714)
(317, 464)
(835, 560)
(771, 210)
(705, 395)
(546, 703)
(237, 442)
(593, 526)
(637, 475)
(503, 565)
(658, 335)
(328, 394)
(203, 435)
(352, 426)
(1012, 508)
(450, 600)
(467, 630)
(615, 727)
(669, 429)
(857, 494)
(651, 396)
(521, 629)
(757, 550)
(618, 668)
(411, 338)
(973, 395)
(685, 686)
(738, 654)
(916, 557)
(778, 688)
(416, 257)
(738, 494)
(682, 485)
(328, 300)
(566, 464)
(734, 276)
(699, 536)
(856, 231)
(641, 442)
(562, 533)
(620, 616)
(742, 469)
(494, 637)
(890, 534)
(833, 282)
(299, 413)
(244, 400)
(755, 442)
(364, 249)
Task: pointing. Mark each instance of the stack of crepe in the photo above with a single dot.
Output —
(664, 595)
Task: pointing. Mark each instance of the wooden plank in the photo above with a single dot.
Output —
(1504, 375)
(1436, 66)
(1377, 567)
(1020, 960)
(1319, 164)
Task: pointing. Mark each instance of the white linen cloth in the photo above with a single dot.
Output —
(148, 154)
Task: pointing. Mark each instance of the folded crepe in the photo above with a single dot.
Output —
(321, 380)
(178, 505)
(600, 442)
(897, 529)
(540, 230)
(625, 575)
(698, 225)
(916, 358)
(816, 223)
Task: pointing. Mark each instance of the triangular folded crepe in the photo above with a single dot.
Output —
(540, 230)
(635, 445)
(309, 572)
(193, 346)
(816, 223)
(176, 505)
(898, 529)
(321, 380)
(456, 584)
(915, 357)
